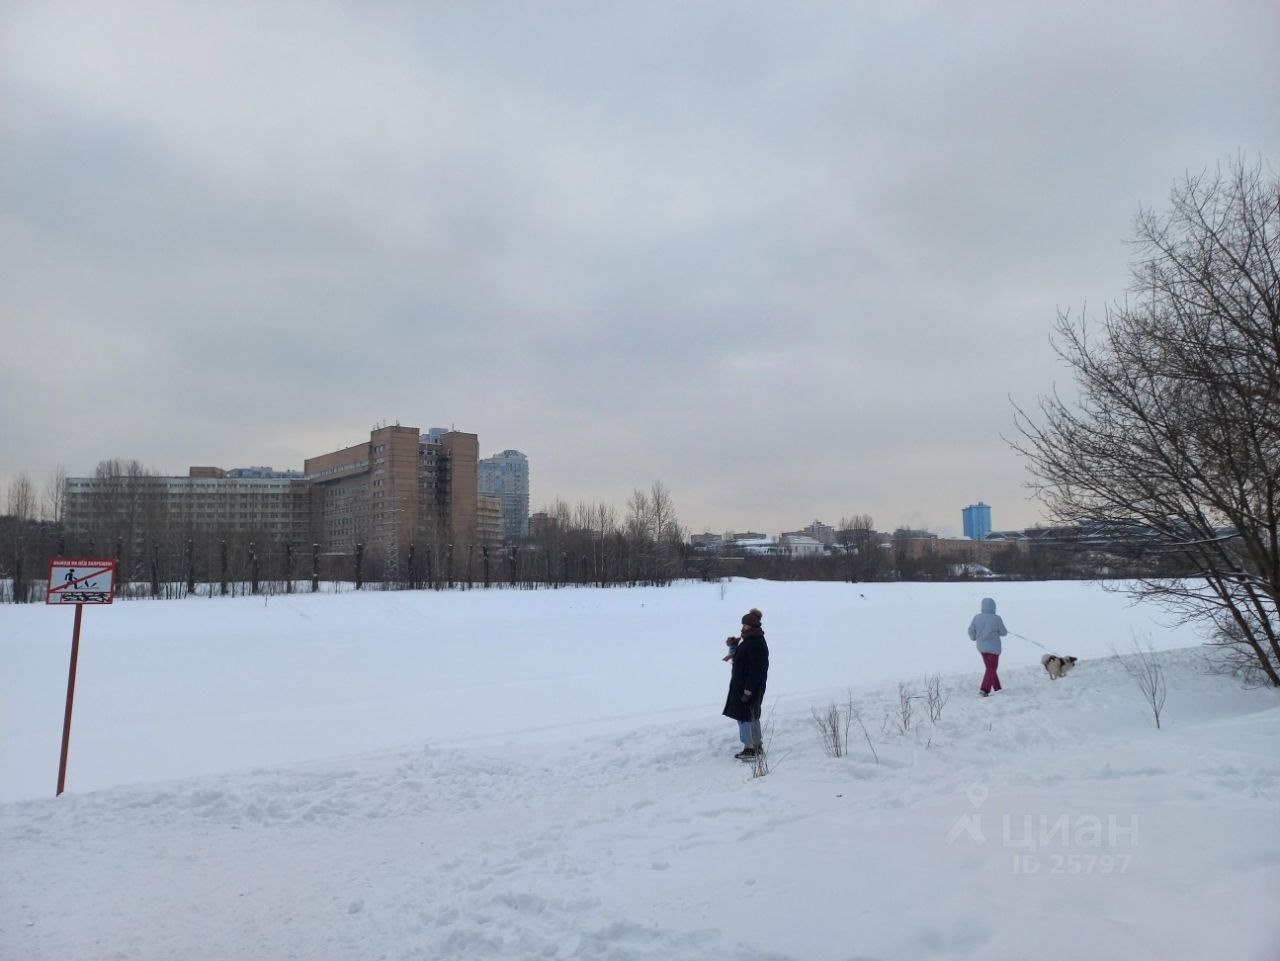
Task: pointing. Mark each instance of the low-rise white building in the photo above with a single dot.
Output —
(800, 545)
(754, 545)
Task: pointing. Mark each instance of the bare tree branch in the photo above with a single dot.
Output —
(1175, 435)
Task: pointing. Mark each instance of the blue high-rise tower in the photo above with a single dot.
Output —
(506, 476)
(977, 521)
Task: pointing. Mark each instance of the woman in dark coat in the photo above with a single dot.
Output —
(746, 685)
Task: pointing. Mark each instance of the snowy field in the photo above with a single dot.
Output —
(546, 775)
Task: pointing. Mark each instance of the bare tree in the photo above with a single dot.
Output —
(857, 716)
(935, 698)
(761, 764)
(857, 536)
(901, 718)
(55, 496)
(592, 525)
(833, 726)
(1144, 667)
(666, 531)
(21, 502)
(21, 506)
(1174, 442)
(637, 524)
(654, 533)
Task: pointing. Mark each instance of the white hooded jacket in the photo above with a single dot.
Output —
(987, 628)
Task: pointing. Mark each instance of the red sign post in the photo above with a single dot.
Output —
(78, 581)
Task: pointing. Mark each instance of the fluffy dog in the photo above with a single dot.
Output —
(1057, 666)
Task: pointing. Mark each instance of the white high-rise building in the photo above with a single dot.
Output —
(506, 476)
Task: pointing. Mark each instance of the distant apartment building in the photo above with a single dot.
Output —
(367, 493)
(401, 487)
(977, 521)
(253, 501)
(824, 534)
(448, 480)
(506, 476)
(396, 489)
(911, 534)
(488, 520)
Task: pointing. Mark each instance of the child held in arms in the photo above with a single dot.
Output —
(732, 642)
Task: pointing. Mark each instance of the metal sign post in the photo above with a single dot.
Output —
(78, 581)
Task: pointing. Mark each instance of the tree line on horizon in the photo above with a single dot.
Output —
(162, 554)
(588, 544)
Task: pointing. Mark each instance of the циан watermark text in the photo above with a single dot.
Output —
(1067, 844)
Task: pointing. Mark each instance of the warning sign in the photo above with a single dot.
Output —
(81, 580)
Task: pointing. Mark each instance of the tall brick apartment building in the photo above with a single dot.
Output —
(399, 484)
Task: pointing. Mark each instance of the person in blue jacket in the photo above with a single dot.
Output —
(986, 629)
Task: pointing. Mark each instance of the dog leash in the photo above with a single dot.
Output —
(1029, 641)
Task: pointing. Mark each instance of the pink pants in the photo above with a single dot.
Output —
(990, 680)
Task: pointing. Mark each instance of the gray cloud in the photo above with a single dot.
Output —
(792, 261)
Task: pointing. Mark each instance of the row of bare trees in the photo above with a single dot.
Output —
(595, 544)
(29, 530)
(161, 554)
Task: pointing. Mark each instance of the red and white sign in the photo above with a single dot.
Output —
(81, 580)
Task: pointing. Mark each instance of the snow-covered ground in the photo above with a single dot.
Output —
(518, 775)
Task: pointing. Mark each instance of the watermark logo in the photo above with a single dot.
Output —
(1050, 843)
(970, 825)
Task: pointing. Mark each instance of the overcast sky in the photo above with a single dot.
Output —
(793, 260)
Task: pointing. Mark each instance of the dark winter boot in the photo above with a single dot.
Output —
(746, 754)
